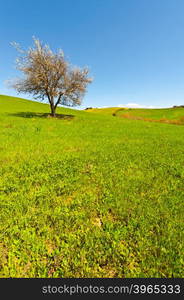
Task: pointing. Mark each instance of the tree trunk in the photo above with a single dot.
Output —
(52, 106)
(53, 110)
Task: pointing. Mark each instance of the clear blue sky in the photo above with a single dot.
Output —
(134, 48)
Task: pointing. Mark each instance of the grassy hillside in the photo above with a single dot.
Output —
(163, 115)
(174, 114)
(89, 195)
(104, 111)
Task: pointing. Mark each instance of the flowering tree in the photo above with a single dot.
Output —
(48, 75)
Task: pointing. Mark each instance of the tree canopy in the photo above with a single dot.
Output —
(47, 75)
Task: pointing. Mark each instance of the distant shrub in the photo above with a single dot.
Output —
(118, 110)
(178, 106)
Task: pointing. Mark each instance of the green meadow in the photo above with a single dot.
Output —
(166, 115)
(90, 194)
(163, 115)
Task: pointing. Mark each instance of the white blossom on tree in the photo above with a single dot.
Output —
(48, 75)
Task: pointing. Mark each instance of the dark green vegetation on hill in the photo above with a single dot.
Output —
(89, 195)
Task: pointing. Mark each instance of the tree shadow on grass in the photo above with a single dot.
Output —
(42, 115)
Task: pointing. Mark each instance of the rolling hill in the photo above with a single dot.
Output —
(89, 194)
(163, 115)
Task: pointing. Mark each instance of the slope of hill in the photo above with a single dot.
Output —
(163, 115)
(12, 105)
(88, 195)
(106, 111)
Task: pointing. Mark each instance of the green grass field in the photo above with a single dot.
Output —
(163, 115)
(89, 194)
(166, 115)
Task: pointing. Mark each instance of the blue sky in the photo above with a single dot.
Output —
(134, 48)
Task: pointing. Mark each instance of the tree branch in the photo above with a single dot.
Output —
(58, 101)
